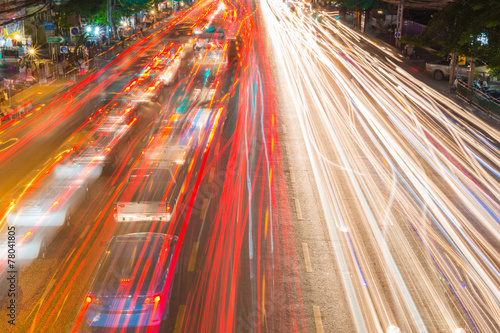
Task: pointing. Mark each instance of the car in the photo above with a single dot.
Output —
(439, 69)
(41, 209)
(132, 283)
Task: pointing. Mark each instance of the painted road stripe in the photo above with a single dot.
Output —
(192, 260)
(211, 175)
(307, 259)
(180, 319)
(204, 209)
(292, 175)
(317, 319)
(299, 211)
(85, 231)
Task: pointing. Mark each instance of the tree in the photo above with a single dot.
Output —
(89, 10)
(361, 5)
(466, 27)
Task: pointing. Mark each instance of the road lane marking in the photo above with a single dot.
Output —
(204, 209)
(203, 224)
(292, 175)
(85, 231)
(265, 225)
(40, 302)
(180, 319)
(297, 208)
(211, 175)
(307, 259)
(317, 319)
(192, 260)
(55, 320)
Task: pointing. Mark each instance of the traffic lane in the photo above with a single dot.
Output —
(126, 64)
(212, 238)
(371, 258)
(454, 139)
(356, 162)
(387, 69)
(199, 230)
(52, 287)
(119, 229)
(49, 137)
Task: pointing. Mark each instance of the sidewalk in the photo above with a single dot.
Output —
(25, 99)
(417, 68)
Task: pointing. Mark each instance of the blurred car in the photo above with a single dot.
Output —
(41, 209)
(132, 283)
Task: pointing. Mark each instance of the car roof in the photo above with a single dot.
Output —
(134, 260)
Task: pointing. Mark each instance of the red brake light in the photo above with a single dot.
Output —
(168, 208)
(151, 300)
(95, 300)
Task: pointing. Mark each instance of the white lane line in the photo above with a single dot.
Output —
(307, 259)
(192, 259)
(84, 233)
(180, 319)
(59, 313)
(211, 175)
(317, 319)
(299, 211)
(292, 175)
(204, 209)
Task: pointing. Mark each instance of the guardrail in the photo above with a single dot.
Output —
(481, 100)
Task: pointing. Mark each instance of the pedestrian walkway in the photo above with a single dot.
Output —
(27, 96)
(416, 66)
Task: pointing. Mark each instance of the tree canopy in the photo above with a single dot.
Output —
(358, 4)
(467, 27)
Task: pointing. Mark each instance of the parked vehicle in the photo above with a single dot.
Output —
(440, 69)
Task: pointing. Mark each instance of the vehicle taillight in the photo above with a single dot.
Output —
(95, 300)
(168, 209)
(151, 300)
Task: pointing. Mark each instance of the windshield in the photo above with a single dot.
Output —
(131, 266)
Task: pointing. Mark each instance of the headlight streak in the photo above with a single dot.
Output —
(436, 162)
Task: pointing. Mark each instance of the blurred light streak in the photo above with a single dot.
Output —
(389, 131)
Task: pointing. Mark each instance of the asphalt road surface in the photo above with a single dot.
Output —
(312, 182)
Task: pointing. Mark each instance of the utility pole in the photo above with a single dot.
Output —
(453, 72)
(110, 28)
(472, 69)
(49, 15)
(399, 21)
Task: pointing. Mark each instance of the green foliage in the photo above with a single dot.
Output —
(61, 20)
(358, 4)
(130, 7)
(89, 10)
(455, 29)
